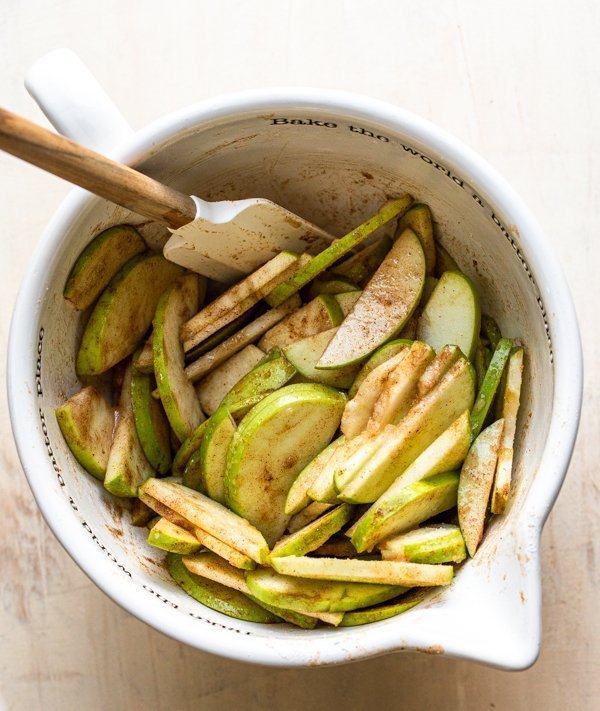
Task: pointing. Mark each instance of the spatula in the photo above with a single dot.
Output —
(223, 240)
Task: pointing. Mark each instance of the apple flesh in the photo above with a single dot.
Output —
(87, 421)
(442, 543)
(353, 570)
(476, 478)
(359, 410)
(298, 497)
(99, 262)
(172, 538)
(451, 315)
(176, 392)
(314, 534)
(405, 508)
(214, 387)
(127, 466)
(509, 410)
(320, 314)
(384, 307)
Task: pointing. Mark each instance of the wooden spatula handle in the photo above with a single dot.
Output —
(94, 172)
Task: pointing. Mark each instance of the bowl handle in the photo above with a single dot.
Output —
(75, 103)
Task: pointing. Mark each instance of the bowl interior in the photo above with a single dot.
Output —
(335, 170)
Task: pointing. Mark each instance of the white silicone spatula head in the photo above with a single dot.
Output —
(234, 237)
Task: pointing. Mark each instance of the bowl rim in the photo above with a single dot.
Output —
(568, 377)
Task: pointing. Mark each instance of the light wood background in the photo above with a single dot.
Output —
(518, 81)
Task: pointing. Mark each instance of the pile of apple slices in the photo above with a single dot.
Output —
(321, 441)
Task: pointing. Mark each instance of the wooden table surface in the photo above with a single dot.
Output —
(518, 82)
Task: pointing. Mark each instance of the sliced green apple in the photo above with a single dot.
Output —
(386, 304)
(353, 570)
(213, 452)
(476, 478)
(400, 387)
(440, 365)
(150, 422)
(176, 392)
(298, 619)
(266, 377)
(392, 451)
(192, 474)
(491, 331)
(87, 422)
(187, 462)
(361, 266)
(479, 362)
(359, 411)
(159, 509)
(428, 289)
(363, 448)
(316, 595)
(124, 312)
(510, 409)
(272, 444)
(452, 315)
(222, 334)
(237, 299)
(217, 596)
(305, 354)
(209, 515)
(442, 543)
(143, 360)
(347, 300)
(308, 514)
(409, 330)
(187, 449)
(337, 250)
(490, 384)
(444, 261)
(333, 285)
(128, 466)
(217, 570)
(99, 262)
(313, 535)
(246, 335)
(405, 508)
(320, 314)
(323, 489)
(298, 497)
(418, 219)
(140, 514)
(381, 355)
(214, 567)
(223, 550)
(384, 611)
(336, 547)
(215, 386)
(169, 537)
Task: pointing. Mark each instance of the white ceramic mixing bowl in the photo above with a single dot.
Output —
(333, 158)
